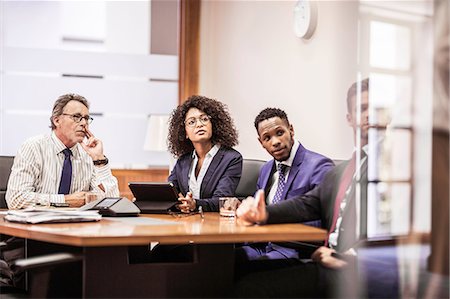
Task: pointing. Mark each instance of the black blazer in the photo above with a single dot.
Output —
(221, 178)
(319, 204)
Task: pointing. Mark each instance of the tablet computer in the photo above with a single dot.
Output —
(154, 198)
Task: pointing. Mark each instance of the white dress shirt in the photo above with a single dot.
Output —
(276, 175)
(333, 237)
(36, 173)
(195, 183)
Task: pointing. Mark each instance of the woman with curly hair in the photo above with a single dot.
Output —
(201, 136)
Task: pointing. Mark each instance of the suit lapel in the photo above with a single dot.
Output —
(349, 216)
(185, 168)
(211, 169)
(267, 175)
(295, 168)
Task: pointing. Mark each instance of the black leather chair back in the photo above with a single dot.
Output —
(249, 178)
(6, 163)
(338, 161)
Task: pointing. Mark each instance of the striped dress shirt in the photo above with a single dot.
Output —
(36, 173)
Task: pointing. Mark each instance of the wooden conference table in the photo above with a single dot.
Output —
(113, 266)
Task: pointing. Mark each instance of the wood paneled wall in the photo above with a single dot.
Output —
(189, 53)
(124, 176)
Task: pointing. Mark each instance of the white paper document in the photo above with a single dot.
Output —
(34, 216)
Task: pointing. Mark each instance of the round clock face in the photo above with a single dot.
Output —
(305, 18)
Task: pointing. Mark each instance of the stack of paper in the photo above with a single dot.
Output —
(33, 216)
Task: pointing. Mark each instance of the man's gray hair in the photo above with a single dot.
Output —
(61, 102)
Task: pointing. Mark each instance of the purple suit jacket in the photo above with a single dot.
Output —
(307, 171)
(221, 178)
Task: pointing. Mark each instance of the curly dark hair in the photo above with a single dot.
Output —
(223, 129)
(269, 113)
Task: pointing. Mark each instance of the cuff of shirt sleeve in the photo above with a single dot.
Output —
(102, 173)
(57, 198)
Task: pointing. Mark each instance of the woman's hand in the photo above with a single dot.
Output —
(187, 204)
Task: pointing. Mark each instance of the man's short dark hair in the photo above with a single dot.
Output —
(269, 113)
(353, 91)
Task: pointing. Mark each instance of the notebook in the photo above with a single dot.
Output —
(51, 215)
(154, 198)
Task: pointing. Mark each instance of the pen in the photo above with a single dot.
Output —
(338, 256)
(200, 210)
(256, 199)
(59, 204)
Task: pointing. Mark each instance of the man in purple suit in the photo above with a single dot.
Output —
(293, 171)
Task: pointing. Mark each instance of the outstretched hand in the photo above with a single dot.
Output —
(253, 209)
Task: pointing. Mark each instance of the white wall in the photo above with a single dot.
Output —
(42, 40)
(251, 59)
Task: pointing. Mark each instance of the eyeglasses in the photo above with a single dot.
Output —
(192, 121)
(78, 117)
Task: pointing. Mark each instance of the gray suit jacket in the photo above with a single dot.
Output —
(319, 204)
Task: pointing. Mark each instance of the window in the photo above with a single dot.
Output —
(390, 45)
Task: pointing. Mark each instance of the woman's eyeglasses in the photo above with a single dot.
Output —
(192, 121)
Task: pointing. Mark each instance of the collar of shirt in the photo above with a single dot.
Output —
(195, 183)
(212, 152)
(275, 177)
(59, 146)
(365, 149)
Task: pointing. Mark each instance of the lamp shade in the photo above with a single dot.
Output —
(157, 130)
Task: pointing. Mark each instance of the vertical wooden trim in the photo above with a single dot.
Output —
(438, 261)
(189, 53)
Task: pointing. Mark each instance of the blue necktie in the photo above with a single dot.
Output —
(281, 182)
(66, 176)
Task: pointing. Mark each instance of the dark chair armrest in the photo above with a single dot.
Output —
(45, 261)
(305, 249)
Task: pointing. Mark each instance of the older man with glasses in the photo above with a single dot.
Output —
(61, 168)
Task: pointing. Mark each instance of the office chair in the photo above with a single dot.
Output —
(40, 266)
(6, 163)
(338, 161)
(249, 178)
(40, 282)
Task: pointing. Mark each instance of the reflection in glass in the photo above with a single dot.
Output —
(390, 46)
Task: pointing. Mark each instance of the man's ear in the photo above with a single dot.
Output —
(291, 130)
(349, 119)
(55, 121)
(259, 139)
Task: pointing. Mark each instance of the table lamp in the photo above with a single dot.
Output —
(156, 134)
(157, 130)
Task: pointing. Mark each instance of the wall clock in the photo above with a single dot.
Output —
(305, 18)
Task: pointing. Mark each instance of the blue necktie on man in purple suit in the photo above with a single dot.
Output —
(281, 183)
